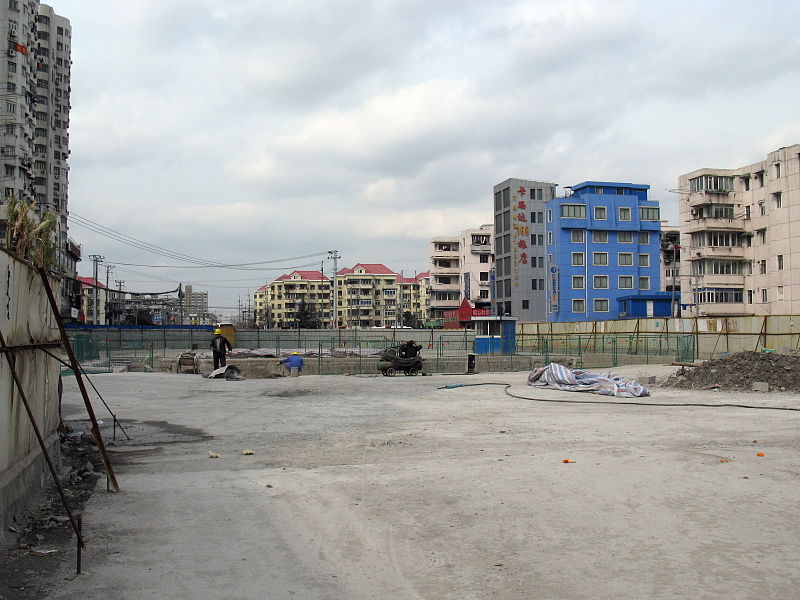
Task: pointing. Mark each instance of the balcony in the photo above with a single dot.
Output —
(445, 270)
(717, 252)
(445, 304)
(709, 197)
(711, 280)
(481, 248)
(716, 224)
(446, 287)
(724, 309)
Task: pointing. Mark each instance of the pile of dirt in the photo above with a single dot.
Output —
(739, 371)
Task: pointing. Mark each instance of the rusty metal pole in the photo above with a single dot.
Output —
(39, 437)
(77, 370)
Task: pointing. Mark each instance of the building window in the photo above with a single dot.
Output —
(577, 236)
(549, 215)
(777, 170)
(625, 237)
(484, 258)
(577, 259)
(600, 237)
(11, 108)
(644, 283)
(644, 237)
(625, 282)
(600, 282)
(625, 259)
(600, 213)
(524, 304)
(601, 305)
(777, 199)
(571, 211)
(540, 261)
(762, 210)
(577, 282)
(600, 259)
(10, 170)
(780, 293)
(780, 261)
(762, 235)
(762, 267)
(549, 238)
(578, 305)
(649, 213)
(719, 295)
(541, 217)
(624, 213)
(764, 297)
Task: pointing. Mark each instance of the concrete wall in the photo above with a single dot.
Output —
(25, 318)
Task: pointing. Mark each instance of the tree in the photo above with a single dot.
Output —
(138, 316)
(411, 320)
(307, 317)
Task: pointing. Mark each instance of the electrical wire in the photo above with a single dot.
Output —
(619, 402)
(198, 263)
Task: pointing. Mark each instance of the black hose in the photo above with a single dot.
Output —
(618, 402)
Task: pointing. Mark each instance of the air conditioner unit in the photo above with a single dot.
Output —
(12, 52)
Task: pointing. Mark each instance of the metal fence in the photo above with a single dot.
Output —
(137, 349)
(599, 350)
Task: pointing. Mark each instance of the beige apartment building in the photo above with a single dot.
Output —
(740, 238)
(369, 295)
(372, 295)
(460, 268)
(276, 305)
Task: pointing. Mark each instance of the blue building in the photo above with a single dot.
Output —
(603, 243)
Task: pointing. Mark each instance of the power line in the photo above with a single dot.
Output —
(160, 250)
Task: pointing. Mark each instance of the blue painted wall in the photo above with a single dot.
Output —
(645, 241)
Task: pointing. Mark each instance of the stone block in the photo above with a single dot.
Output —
(760, 386)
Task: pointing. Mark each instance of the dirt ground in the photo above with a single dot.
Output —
(739, 371)
(365, 487)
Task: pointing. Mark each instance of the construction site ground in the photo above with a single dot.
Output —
(372, 487)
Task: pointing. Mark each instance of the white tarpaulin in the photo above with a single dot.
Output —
(560, 377)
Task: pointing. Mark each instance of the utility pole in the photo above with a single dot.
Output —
(120, 284)
(334, 254)
(96, 259)
(109, 268)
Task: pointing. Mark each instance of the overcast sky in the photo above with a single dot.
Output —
(254, 130)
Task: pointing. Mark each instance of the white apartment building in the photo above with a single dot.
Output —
(460, 268)
(740, 238)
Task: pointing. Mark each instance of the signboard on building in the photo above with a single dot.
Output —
(553, 289)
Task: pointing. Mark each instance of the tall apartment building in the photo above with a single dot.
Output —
(737, 231)
(34, 122)
(460, 269)
(195, 307)
(519, 245)
(603, 244)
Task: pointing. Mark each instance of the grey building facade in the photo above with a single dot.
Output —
(520, 248)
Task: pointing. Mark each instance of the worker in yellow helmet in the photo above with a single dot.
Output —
(219, 346)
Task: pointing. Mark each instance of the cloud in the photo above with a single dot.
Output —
(370, 127)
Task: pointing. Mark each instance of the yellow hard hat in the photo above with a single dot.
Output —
(294, 352)
(218, 331)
